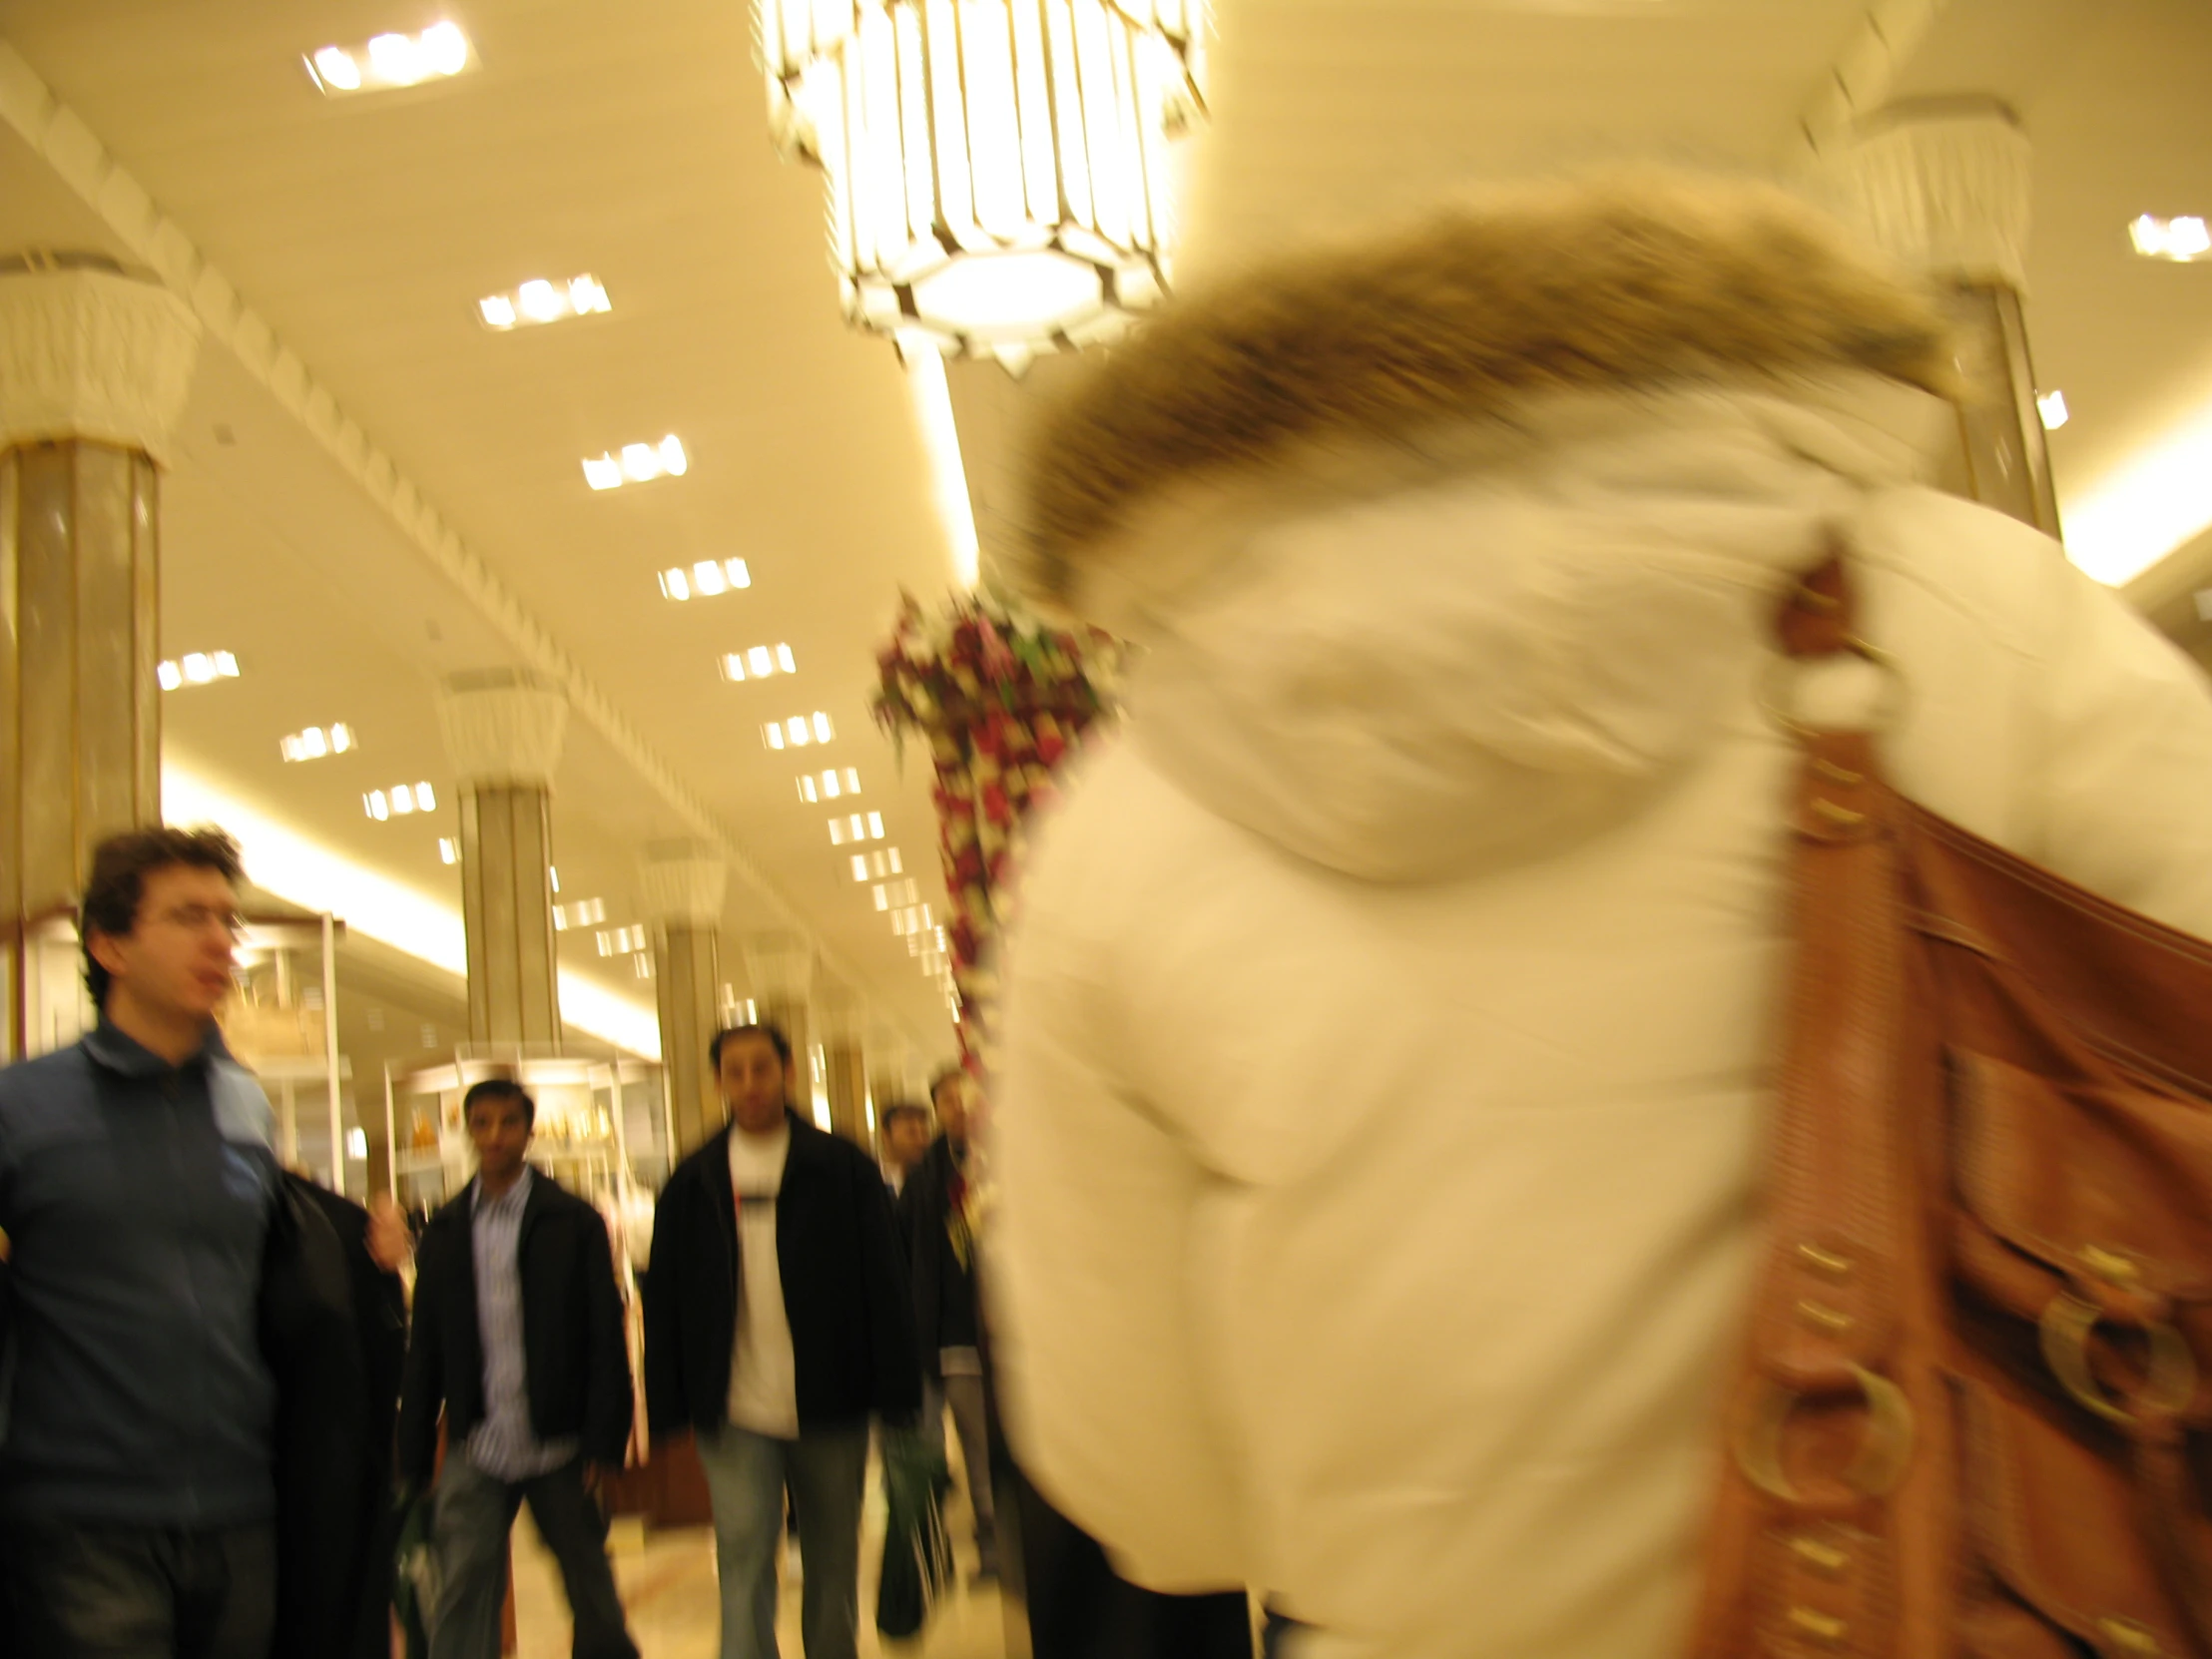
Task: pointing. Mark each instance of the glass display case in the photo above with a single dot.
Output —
(601, 1124)
(55, 1008)
(281, 1023)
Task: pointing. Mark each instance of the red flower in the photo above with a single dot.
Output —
(995, 807)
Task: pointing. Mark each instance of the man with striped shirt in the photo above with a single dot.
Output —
(518, 1335)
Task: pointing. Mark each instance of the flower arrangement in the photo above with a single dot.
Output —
(1001, 698)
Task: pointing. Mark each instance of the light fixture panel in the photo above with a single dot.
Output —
(638, 463)
(2183, 240)
(389, 62)
(540, 302)
(705, 580)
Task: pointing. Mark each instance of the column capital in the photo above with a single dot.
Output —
(779, 966)
(1942, 186)
(90, 350)
(683, 881)
(503, 726)
(839, 1015)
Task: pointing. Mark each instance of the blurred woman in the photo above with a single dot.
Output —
(1386, 1035)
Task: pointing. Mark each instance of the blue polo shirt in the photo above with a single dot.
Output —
(136, 1198)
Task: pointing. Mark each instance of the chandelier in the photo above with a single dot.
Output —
(998, 170)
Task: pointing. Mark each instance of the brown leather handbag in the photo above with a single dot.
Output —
(1972, 1418)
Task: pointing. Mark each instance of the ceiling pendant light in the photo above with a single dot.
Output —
(998, 170)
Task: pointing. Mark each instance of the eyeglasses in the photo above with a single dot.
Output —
(196, 919)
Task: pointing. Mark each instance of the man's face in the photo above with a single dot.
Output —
(501, 1130)
(176, 959)
(751, 1081)
(909, 1139)
(951, 1101)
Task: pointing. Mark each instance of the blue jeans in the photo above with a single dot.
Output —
(827, 1472)
(474, 1513)
(85, 1590)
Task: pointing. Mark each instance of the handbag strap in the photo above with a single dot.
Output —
(1822, 1432)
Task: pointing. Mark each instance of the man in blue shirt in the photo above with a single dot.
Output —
(137, 1411)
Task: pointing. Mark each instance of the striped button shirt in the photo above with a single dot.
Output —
(504, 1445)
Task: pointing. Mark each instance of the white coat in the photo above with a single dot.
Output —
(1389, 1034)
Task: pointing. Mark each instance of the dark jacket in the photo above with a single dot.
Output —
(335, 1331)
(844, 1290)
(574, 1351)
(944, 1286)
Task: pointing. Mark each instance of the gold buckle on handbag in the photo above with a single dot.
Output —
(1882, 1458)
(2067, 1324)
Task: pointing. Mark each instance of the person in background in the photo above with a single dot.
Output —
(942, 1258)
(518, 1337)
(1387, 1044)
(906, 1137)
(776, 1328)
(163, 1279)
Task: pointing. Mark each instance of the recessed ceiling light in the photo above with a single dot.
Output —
(315, 742)
(197, 668)
(582, 914)
(539, 300)
(621, 941)
(639, 463)
(402, 800)
(758, 663)
(799, 730)
(828, 786)
(705, 579)
(391, 60)
(2181, 240)
(857, 828)
(2052, 405)
(449, 851)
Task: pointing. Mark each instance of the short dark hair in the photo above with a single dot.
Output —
(773, 1033)
(499, 1088)
(901, 1109)
(945, 1076)
(120, 867)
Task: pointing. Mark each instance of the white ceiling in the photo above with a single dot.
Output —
(630, 142)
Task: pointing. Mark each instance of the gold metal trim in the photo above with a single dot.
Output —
(1888, 708)
(2067, 1327)
(1822, 1627)
(1825, 1261)
(1822, 1317)
(2126, 1633)
(1883, 1456)
(1820, 1556)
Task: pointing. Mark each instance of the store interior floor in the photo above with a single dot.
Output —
(668, 1585)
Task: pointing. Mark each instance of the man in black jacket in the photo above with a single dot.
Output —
(940, 1255)
(518, 1333)
(776, 1324)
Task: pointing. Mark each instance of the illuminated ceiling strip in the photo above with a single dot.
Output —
(304, 872)
(58, 135)
(941, 437)
(2149, 506)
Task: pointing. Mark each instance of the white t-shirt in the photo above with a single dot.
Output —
(764, 1377)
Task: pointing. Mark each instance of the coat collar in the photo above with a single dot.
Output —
(1638, 282)
(114, 1050)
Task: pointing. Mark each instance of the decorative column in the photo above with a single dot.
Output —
(683, 885)
(889, 1081)
(845, 1059)
(95, 365)
(503, 729)
(780, 971)
(1943, 186)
